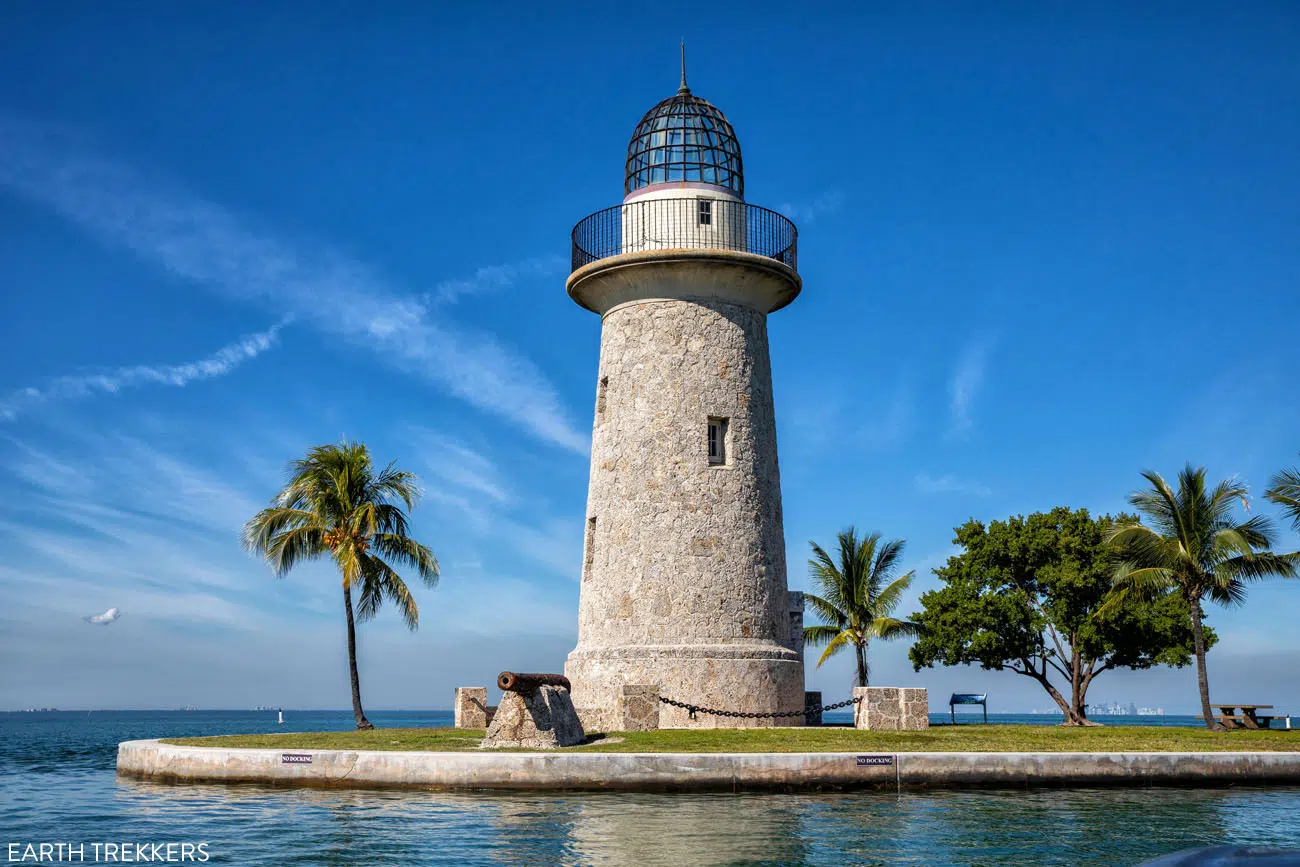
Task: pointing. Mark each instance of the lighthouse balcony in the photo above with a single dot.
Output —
(696, 223)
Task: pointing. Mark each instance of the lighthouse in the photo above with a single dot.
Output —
(683, 575)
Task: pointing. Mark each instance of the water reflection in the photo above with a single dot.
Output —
(616, 830)
(250, 824)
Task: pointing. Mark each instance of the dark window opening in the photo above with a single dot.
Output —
(706, 212)
(589, 552)
(717, 441)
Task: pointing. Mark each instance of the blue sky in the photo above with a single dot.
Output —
(1044, 247)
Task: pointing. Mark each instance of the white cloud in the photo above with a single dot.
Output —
(203, 242)
(949, 484)
(492, 278)
(966, 383)
(827, 203)
(458, 465)
(219, 363)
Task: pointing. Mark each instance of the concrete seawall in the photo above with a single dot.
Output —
(571, 771)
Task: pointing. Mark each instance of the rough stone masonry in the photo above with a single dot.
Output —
(541, 719)
(684, 576)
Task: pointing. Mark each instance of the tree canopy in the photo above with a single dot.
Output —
(856, 596)
(1025, 596)
(1284, 490)
(336, 505)
(1193, 546)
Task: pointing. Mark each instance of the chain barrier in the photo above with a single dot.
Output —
(693, 709)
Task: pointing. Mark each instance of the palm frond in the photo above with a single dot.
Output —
(380, 582)
(406, 550)
(1258, 566)
(1144, 583)
(842, 639)
(1284, 491)
(826, 610)
(888, 599)
(333, 503)
(293, 546)
(270, 522)
(886, 628)
(820, 633)
(826, 576)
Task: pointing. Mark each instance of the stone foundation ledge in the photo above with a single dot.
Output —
(153, 760)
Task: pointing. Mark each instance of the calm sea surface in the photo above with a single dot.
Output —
(57, 784)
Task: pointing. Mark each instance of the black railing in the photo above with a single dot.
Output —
(695, 224)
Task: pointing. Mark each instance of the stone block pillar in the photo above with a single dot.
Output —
(471, 708)
(542, 719)
(888, 708)
(638, 708)
(915, 704)
(812, 699)
(795, 599)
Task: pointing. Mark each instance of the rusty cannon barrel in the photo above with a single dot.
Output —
(525, 683)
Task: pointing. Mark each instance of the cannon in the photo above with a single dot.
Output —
(527, 683)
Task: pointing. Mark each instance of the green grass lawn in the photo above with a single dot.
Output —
(976, 738)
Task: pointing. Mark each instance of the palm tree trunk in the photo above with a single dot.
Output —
(362, 723)
(862, 664)
(1202, 679)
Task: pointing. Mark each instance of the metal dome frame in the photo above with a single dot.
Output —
(684, 139)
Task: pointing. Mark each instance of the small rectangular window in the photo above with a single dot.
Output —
(600, 397)
(706, 212)
(717, 441)
(589, 552)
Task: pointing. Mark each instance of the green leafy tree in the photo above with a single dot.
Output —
(1284, 490)
(335, 505)
(1024, 596)
(1194, 547)
(856, 596)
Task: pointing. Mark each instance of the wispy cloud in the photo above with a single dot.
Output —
(827, 203)
(92, 520)
(469, 486)
(966, 383)
(219, 363)
(459, 465)
(202, 242)
(949, 484)
(493, 278)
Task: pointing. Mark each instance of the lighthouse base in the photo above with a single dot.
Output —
(743, 678)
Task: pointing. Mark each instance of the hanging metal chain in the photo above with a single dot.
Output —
(693, 709)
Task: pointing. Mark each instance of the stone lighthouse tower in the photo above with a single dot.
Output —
(684, 573)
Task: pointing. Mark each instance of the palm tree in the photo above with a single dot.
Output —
(335, 505)
(857, 596)
(1284, 491)
(1194, 546)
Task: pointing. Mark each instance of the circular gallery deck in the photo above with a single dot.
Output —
(578, 771)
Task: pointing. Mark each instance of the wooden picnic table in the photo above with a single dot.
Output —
(1249, 718)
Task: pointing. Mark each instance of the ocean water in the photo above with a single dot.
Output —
(57, 784)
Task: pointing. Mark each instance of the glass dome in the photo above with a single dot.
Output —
(684, 138)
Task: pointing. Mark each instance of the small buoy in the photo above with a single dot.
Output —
(280, 720)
